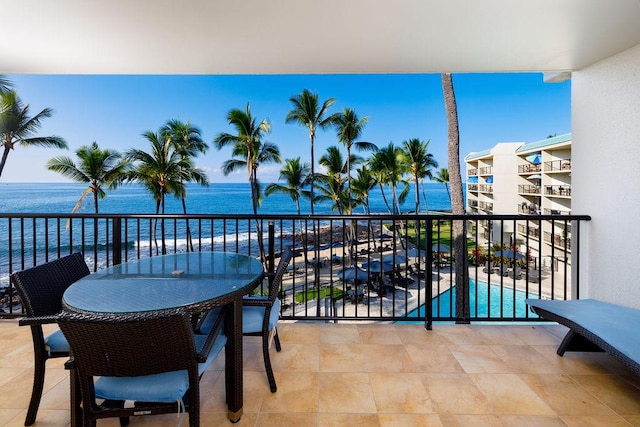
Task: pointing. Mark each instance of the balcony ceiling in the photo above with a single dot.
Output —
(305, 36)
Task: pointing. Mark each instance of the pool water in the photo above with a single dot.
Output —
(485, 301)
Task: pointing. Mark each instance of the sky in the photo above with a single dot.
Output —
(114, 111)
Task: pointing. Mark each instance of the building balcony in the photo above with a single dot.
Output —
(560, 241)
(379, 374)
(528, 168)
(529, 189)
(487, 170)
(558, 166)
(472, 187)
(557, 190)
(557, 212)
(472, 172)
(485, 188)
(531, 231)
(485, 206)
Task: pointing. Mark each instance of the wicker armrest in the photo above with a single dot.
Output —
(257, 302)
(37, 320)
(70, 364)
(203, 353)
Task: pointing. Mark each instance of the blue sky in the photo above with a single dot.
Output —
(115, 110)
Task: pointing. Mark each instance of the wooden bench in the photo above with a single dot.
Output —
(595, 326)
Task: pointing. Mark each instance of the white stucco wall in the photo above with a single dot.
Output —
(606, 176)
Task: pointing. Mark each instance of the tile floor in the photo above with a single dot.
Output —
(380, 375)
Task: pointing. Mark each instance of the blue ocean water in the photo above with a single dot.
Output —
(217, 198)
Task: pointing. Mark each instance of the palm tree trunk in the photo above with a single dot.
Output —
(457, 201)
(254, 202)
(5, 154)
(184, 210)
(417, 195)
(386, 202)
(162, 230)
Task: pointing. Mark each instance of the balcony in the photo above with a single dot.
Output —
(561, 241)
(487, 170)
(485, 188)
(529, 168)
(380, 374)
(528, 189)
(472, 187)
(558, 166)
(557, 190)
(472, 172)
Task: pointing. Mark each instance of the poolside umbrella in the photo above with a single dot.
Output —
(352, 273)
(440, 248)
(378, 267)
(508, 253)
(535, 158)
(489, 179)
(415, 253)
(391, 258)
(536, 176)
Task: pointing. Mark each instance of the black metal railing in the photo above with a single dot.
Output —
(529, 168)
(557, 190)
(345, 267)
(558, 165)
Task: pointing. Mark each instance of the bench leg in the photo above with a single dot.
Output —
(573, 341)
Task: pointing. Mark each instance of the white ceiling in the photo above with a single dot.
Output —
(311, 36)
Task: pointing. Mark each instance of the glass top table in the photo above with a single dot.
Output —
(198, 281)
(195, 280)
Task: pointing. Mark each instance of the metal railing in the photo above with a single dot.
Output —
(529, 168)
(557, 190)
(558, 165)
(345, 267)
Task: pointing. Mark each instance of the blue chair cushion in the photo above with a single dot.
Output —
(56, 342)
(165, 387)
(251, 317)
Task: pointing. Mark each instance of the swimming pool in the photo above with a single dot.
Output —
(492, 301)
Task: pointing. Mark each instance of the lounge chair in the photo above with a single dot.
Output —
(595, 326)
(515, 273)
(532, 276)
(488, 267)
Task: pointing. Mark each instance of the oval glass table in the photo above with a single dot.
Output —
(198, 281)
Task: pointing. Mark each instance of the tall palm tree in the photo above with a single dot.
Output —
(162, 171)
(332, 182)
(419, 162)
(388, 166)
(443, 178)
(457, 200)
(296, 175)
(362, 184)
(307, 112)
(98, 168)
(17, 127)
(248, 152)
(5, 84)
(188, 143)
(349, 128)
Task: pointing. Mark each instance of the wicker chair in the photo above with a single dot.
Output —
(40, 289)
(151, 358)
(260, 315)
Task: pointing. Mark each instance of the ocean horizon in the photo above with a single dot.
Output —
(217, 198)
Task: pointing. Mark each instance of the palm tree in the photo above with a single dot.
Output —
(457, 201)
(362, 184)
(388, 166)
(443, 178)
(188, 143)
(249, 152)
(98, 168)
(296, 175)
(306, 112)
(17, 127)
(419, 162)
(349, 128)
(163, 171)
(5, 84)
(332, 187)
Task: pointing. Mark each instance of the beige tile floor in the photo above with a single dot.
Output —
(380, 375)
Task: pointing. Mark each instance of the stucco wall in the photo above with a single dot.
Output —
(606, 176)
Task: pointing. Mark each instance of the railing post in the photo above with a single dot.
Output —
(117, 240)
(428, 303)
(272, 254)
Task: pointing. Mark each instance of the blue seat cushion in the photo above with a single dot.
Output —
(165, 387)
(251, 317)
(56, 342)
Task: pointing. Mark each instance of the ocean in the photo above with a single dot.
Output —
(217, 198)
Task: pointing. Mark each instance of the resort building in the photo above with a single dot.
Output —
(524, 178)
